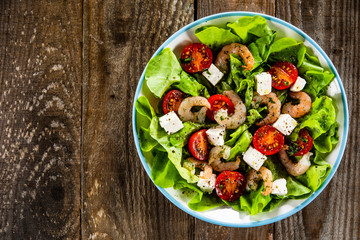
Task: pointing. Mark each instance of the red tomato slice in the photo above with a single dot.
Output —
(268, 140)
(284, 74)
(198, 145)
(196, 57)
(303, 144)
(217, 102)
(172, 101)
(230, 185)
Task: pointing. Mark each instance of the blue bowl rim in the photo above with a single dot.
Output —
(343, 143)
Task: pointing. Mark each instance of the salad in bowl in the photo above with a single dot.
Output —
(239, 117)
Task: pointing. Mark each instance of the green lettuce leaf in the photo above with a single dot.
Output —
(320, 118)
(263, 44)
(162, 71)
(174, 153)
(190, 86)
(326, 141)
(296, 190)
(317, 81)
(235, 135)
(316, 174)
(215, 37)
(200, 201)
(254, 202)
(310, 63)
(242, 85)
(163, 172)
(248, 27)
(241, 145)
(180, 138)
(253, 116)
(144, 115)
(287, 49)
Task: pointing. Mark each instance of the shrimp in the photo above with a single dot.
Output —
(254, 177)
(274, 106)
(295, 169)
(207, 179)
(239, 115)
(215, 155)
(185, 112)
(222, 60)
(207, 169)
(299, 110)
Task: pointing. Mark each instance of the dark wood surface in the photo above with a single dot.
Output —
(68, 165)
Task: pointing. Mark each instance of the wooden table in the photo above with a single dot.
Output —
(68, 164)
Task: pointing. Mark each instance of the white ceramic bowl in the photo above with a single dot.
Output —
(226, 216)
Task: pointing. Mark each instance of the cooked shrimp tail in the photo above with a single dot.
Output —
(215, 155)
(203, 165)
(186, 105)
(274, 106)
(254, 177)
(239, 115)
(298, 110)
(222, 60)
(295, 169)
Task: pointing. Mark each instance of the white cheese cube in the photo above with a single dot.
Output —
(263, 83)
(216, 135)
(333, 89)
(207, 184)
(285, 124)
(298, 85)
(254, 158)
(171, 123)
(279, 187)
(213, 74)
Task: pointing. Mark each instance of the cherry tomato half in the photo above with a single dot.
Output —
(217, 102)
(284, 74)
(303, 144)
(268, 140)
(230, 185)
(199, 146)
(172, 101)
(196, 57)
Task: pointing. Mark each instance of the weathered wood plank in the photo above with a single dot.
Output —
(119, 199)
(40, 119)
(206, 230)
(208, 7)
(335, 26)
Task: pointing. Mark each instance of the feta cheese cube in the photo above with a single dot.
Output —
(254, 158)
(171, 123)
(333, 89)
(279, 187)
(207, 184)
(263, 83)
(285, 124)
(216, 135)
(298, 85)
(213, 74)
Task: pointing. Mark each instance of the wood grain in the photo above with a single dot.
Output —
(334, 214)
(40, 119)
(119, 199)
